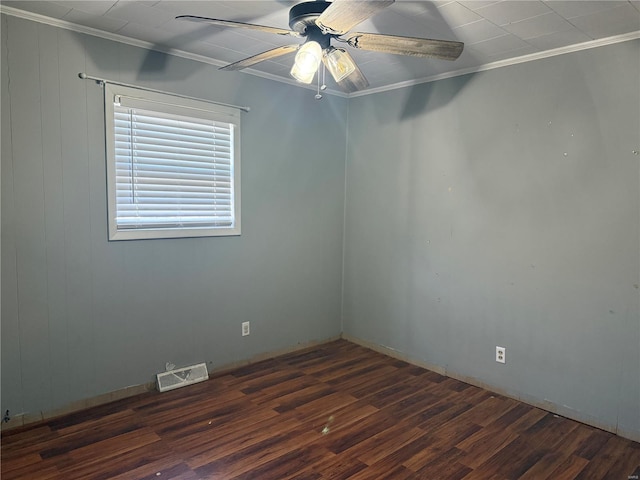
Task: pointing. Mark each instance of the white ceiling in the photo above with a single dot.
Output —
(494, 32)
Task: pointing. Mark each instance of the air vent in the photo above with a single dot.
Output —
(181, 377)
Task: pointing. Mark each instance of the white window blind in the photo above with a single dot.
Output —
(174, 168)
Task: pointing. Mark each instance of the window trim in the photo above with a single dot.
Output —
(181, 106)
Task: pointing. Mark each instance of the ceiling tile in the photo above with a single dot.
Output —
(184, 34)
(616, 21)
(457, 15)
(476, 4)
(478, 32)
(156, 36)
(538, 26)
(499, 45)
(559, 39)
(578, 8)
(437, 3)
(243, 41)
(148, 3)
(220, 54)
(95, 21)
(422, 17)
(197, 7)
(258, 9)
(410, 9)
(139, 13)
(48, 9)
(504, 13)
(393, 23)
(97, 7)
(509, 54)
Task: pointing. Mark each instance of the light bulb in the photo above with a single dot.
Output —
(307, 61)
(339, 63)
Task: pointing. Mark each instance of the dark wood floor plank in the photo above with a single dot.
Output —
(255, 456)
(385, 443)
(629, 462)
(483, 444)
(20, 462)
(285, 465)
(335, 411)
(326, 405)
(356, 378)
(342, 439)
(486, 411)
(336, 419)
(613, 456)
(23, 437)
(336, 467)
(36, 471)
(92, 436)
(545, 466)
(550, 431)
(273, 394)
(203, 449)
(445, 466)
(591, 445)
(522, 422)
(433, 448)
(291, 401)
(390, 462)
(513, 460)
(569, 469)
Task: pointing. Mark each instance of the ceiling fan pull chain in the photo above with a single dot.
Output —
(324, 71)
(318, 95)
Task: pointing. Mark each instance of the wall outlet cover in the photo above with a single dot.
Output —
(501, 354)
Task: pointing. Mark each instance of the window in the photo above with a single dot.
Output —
(173, 166)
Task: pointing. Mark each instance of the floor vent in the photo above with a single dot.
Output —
(181, 377)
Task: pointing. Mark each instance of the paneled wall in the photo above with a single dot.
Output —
(82, 316)
(503, 208)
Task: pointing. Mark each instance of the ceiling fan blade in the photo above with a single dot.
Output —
(418, 47)
(268, 55)
(355, 81)
(342, 15)
(229, 23)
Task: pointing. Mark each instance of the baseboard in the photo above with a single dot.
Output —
(27, 419)
(544, 405)
(30, 419)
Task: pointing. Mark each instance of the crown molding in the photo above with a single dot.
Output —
(507, 62)
(55, 22)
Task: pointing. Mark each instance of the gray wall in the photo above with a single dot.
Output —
(503, 209)
(82, 316)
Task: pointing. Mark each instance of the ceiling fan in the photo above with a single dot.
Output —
(319, 22)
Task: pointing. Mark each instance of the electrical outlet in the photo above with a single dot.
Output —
(246, 329)
(501, 354)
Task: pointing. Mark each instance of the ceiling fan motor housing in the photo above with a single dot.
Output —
(304, 15)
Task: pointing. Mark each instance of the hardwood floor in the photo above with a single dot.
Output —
(337, 411)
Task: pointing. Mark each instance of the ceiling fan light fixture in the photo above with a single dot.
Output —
(339, 63)
(307, 62)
